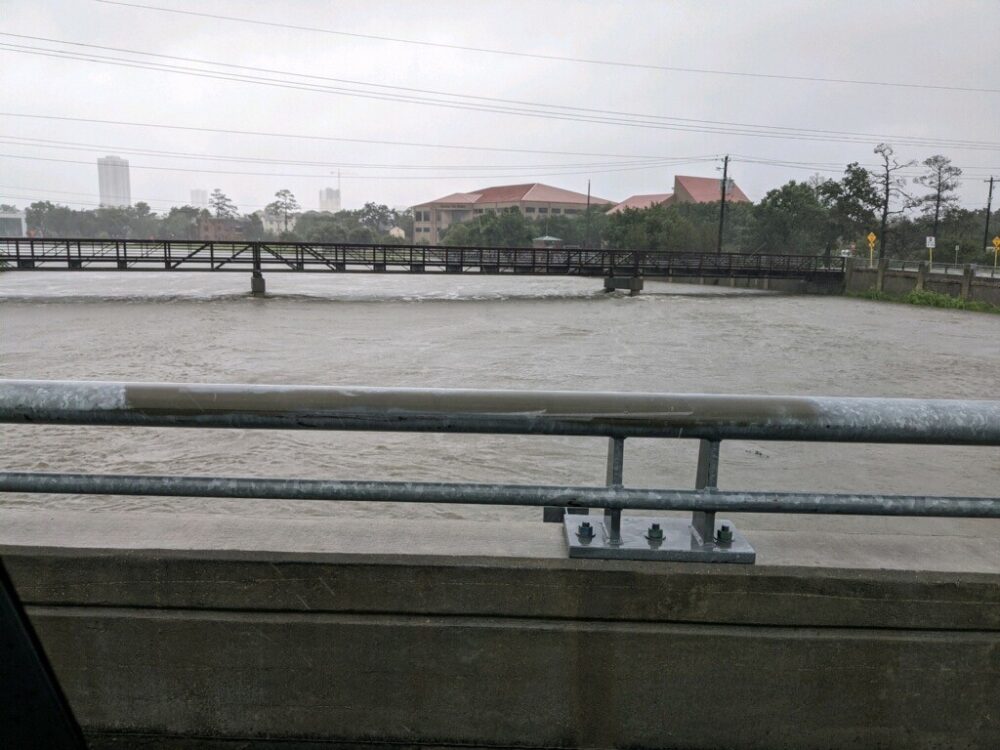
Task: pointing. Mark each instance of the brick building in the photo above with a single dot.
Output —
(534, 200)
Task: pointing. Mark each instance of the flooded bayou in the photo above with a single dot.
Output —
(433, 331)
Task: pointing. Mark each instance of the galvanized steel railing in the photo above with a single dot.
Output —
(617, 416)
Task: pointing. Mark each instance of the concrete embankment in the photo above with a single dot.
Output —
(895, 282)
(826, 284)
(216, 631)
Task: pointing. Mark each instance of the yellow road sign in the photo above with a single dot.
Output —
(871, 238)
(996, 242)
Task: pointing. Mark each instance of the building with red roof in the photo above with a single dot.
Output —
(686, 190)
(534, 200)
(639, 202)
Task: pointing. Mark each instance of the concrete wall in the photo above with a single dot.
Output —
(194, 648)
(822, 285)
(900, 283)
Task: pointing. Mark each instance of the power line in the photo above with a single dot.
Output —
(354, 177)
(560, 58)
(170, 202)
(78, 146)
(833, 167)
(555, 108)
(308, 137)
(485, 104)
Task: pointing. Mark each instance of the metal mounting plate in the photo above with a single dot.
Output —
(679, 543)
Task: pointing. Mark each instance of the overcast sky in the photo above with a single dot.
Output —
(947, 44)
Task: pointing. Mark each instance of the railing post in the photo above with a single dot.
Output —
(613, 478)
(706, 478)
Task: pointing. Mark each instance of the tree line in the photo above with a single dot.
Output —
(816, 216)
(370, 224)
(811, 217)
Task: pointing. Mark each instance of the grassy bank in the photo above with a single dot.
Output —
(929, 299)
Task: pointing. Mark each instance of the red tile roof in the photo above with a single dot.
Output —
(531, 192)
(708, 189)
(641, 201)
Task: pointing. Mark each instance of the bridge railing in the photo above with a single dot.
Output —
(236, 255)
(710, 419)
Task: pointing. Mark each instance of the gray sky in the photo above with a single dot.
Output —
(930, 43)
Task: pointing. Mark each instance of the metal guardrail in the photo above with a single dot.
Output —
(948, 269)
(258, 256)
(617, 416)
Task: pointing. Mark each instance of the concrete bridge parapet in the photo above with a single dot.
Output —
(197, 631)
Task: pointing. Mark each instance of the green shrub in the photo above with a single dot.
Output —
(929, 299)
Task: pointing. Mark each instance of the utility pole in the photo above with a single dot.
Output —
(989, 207)
(722, 205)
(586, 239)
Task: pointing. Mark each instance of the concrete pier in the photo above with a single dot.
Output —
(258, 287)
(203, 630)
(632, 283)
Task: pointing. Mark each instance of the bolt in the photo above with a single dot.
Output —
(585, 531)
(655, 533)
(725, 535)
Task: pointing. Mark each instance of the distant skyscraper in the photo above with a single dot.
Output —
(113, 181)
(329, 200)
(199, 198)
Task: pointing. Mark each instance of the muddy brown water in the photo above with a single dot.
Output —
(471, 332)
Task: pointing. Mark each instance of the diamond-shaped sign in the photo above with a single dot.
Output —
(871, 238)
(996, 242)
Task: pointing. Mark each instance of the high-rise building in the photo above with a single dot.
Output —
(199, 198)
(329, 200)
(113, 181)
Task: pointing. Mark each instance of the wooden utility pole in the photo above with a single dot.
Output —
(989, 207)
(722, 205)
(586, 239)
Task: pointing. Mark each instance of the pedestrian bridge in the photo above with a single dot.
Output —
(621, 269)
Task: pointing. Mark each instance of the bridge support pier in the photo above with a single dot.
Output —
(258, 287)
(632, 283)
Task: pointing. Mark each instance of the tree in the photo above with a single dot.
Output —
(253, 227)
(507, 228)
(851, 203)
(404, 220)
(791, 219)
(284, 206)
(223, 207)
(181, 223)
(941, 179)
(889, 188)
(376, 216)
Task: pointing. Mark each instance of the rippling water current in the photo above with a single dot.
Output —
(436, 331)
